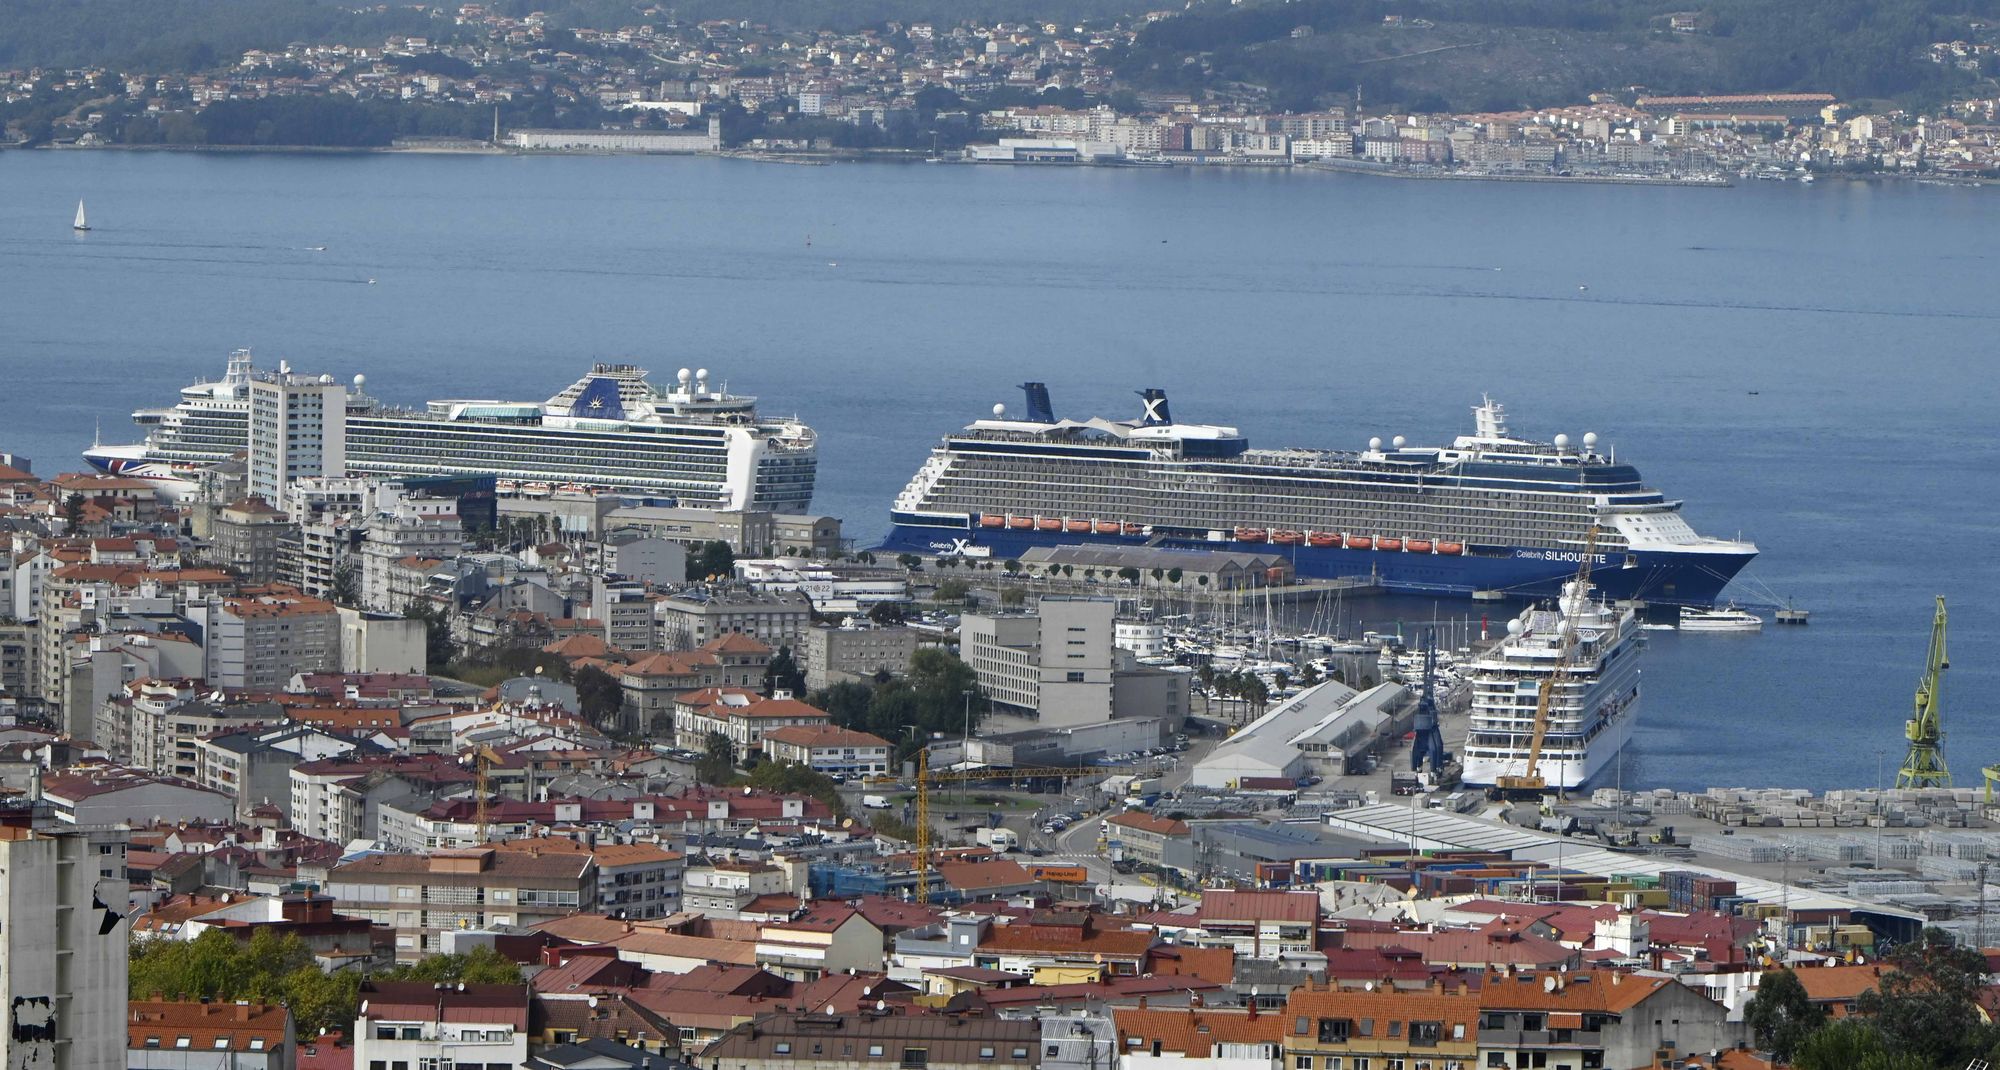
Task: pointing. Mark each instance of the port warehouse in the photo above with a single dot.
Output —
(653, 141)
(1574, 869)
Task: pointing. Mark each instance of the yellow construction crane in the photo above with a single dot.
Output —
(483, 759)
(925, 778)
(1923, 766)
(1531, 782)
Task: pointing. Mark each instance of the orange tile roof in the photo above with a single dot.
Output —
(806, 735)
(1837, 984)
(983, 876)
(1606, 991)
(241, 1027)
(1159, 826)
(1194, 1032)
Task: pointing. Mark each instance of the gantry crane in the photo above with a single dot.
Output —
(1531, 783)
(925, 778)
(1923, 766)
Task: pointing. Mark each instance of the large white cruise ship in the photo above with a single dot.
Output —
(611, 430)
(1591, 709)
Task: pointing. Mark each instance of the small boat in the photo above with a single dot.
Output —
(1418, 546)
(1249, 534)
(1322, 538)
(1076, 525)
(992, 520)
(1451, 548)
(1020, 523)
(1391, 544)
(1360, 542)
(505, 486)
(535, 490)
(1049, 523)
(1107, 527)
(1135, 529)
(81, 222)
(1725, 619)
(1287, 538)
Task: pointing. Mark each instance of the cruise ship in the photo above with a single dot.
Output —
(612, 430)
(1490, 512)
(1592, 706)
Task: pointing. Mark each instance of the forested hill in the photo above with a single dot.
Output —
(169, 36)
(1498, 54)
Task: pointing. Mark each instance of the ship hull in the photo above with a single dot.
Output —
(1567, 774)
(170, 482)
(1672, 578)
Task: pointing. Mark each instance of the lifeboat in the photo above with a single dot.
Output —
(1287, 538)
(1390, 544)
(1020, 523)
(505, 486)
(992, 520)
(1134, 529)
(1418, 546)
(1076, 525)
(1360, 542)
(1451, 547)
(535, 490)
(1107, 527)
(1322, 538)
(1249, 535)
(1048, 523)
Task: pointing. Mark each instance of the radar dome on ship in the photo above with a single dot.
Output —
(701, 374)
(1562, 442)
(1000, 409)
(1375, 443)
(1589, 439)
(1514, 627)
(360, 381)
(1398, 441)
(683, 375)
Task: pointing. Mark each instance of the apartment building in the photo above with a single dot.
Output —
(424, 896)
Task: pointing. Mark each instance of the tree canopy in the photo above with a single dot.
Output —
(268, 968)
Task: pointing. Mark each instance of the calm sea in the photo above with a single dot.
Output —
(1810, 366)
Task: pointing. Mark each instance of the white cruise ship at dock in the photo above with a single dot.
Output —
(612, 430)
(1591, 710)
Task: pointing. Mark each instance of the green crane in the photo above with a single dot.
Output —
(1924, 767)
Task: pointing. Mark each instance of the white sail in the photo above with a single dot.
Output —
(81, 223)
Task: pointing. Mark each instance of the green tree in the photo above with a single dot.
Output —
(717, 764)
(1925, 1005)
(846, 704)
(439, 649)
(886, 613)
(1129, 574)
(784, 674)
(791, 778)
(480, 966)
(711, 560)
(599, 694)
(1851, 1044)
(1012, 566)
(909, 561)
(266, 968)
(346, 587)
(1174, 575)
(1781, 1015)
(1013, 596)
(953, 590)
(72, 512)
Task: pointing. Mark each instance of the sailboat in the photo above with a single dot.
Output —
(81, 223)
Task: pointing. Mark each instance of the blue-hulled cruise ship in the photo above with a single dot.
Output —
(1489, 512)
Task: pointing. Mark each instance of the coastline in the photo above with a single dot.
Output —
(821, 158)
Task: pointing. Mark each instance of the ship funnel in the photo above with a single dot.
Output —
(1040, 411)
(1156, 407)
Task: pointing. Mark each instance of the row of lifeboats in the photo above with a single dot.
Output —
(1331, 540)
(1072, 525)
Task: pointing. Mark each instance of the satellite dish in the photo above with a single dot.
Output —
(593, 1003)
(1549, 983)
